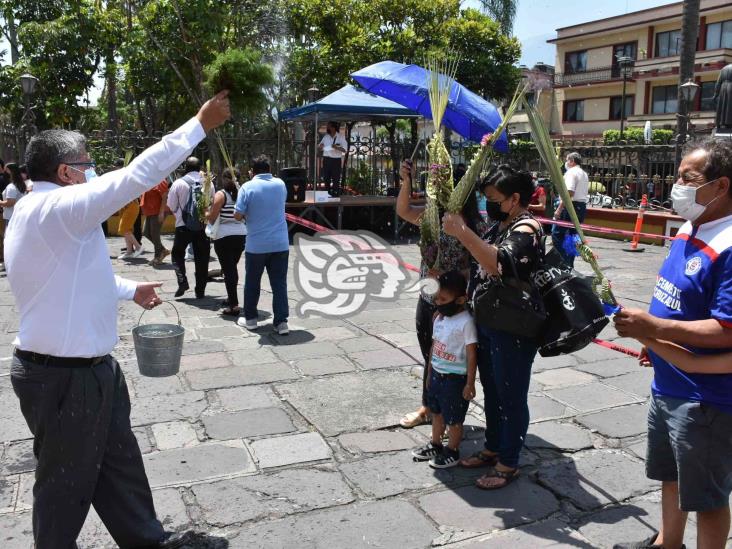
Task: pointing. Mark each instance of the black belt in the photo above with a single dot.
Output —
(450, 376)
(58, 361)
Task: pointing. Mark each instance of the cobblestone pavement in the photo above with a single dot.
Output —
(268, 441)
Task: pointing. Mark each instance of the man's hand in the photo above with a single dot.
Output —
(215, 111)
(406, 170)
(145, 295)
(469, 391)
(644, 360)
(636, 323)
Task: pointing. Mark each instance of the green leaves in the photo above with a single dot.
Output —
(242, 72)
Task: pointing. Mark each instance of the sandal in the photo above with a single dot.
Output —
(413, 419)
(505, 478)
(231, 311)
(479, 459)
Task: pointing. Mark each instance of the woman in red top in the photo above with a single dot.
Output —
(152, 205)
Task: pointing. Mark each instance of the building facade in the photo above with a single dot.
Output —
(588, 81)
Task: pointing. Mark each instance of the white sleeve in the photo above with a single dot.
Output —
(342, 141)
(570, 180)
(83, 207)
(125, 288)
(470, 332)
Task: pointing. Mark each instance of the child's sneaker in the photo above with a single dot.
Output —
(446, 458)
(426, 452)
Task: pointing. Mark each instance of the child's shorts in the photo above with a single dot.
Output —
(445, 397)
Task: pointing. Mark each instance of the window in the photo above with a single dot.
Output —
(622, 50)
(668, 43)
(707, 96)
(574, 111)
(575, 62)
(530, 99)
(615, 106)
(664, 99)
(719, 35)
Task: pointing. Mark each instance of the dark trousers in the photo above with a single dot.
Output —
(504, 365)
(276, 265)
(151, 231)
(86, 452)
(201, 254)
(228, 250)
(423, 321)
(332, 174)
(137, 228)
(559, 233)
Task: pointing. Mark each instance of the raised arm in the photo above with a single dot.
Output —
(83, 207)
(405, 210)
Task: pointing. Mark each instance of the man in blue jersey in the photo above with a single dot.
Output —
(690, 419)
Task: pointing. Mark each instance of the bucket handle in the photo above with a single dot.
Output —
(169, 303)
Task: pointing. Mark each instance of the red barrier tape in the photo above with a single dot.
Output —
(410, 267)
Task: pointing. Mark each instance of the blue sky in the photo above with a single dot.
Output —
(537, 21)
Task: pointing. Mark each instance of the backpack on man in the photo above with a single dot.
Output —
(191, 214)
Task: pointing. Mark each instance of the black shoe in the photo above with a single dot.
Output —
(182, 288)
(200, 295)
(176, 539)
(447, 458)
(426, 452)
(649, 543)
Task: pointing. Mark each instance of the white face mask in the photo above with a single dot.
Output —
(89, 173)
(567, 166)
(684, 201)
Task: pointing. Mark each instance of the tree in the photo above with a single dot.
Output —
(502, 11)
(689, 31)
(333, 38)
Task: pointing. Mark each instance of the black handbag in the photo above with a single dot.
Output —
(574, 312)
(509, 304)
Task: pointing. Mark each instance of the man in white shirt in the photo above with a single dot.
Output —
(178, 195)
(578, 185)
(72, 393)
(333, 146)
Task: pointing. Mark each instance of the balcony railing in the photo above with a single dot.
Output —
(599, 74)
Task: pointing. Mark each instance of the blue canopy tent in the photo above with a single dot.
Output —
(350, 103)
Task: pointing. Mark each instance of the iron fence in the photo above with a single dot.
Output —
(620, 174)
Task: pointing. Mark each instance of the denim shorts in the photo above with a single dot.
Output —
(691, 443)
(445, 397)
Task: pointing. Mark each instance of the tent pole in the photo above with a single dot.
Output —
(315, 153)
(279, 130)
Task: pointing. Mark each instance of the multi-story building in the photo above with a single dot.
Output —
(540, 79)
(588, 81)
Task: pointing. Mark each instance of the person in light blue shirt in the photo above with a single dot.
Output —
(261, 202)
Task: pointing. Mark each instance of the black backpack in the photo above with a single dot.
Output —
(575, 314)
(191, 215)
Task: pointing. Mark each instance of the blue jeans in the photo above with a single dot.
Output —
(504, 366)
(558, 232)
(276, 265)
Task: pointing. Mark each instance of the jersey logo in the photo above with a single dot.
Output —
(693, 266)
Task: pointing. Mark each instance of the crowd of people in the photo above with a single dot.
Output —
(67, 325)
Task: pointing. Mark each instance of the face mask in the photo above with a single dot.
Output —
(684, 201)
(448, 309)
(493, 209)
(567, 166)
(89, 174)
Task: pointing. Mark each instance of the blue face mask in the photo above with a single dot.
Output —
(89, 173)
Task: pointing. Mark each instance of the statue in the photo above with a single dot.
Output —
(723, 99)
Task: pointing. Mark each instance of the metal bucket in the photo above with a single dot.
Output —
(158, 347)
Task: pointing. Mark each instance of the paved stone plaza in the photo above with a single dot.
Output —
(269, 441)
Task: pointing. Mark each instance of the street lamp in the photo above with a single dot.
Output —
(28, 84)
(687, 94)
(626, 67)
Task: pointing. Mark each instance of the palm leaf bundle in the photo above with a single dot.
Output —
(439, 178)
(549, 155)
(466, 185)
(205, 202)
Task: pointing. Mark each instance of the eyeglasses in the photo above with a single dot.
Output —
(90, 164)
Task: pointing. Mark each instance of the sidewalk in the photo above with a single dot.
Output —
(269, 441)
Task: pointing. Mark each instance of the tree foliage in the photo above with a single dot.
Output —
(152, 53)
